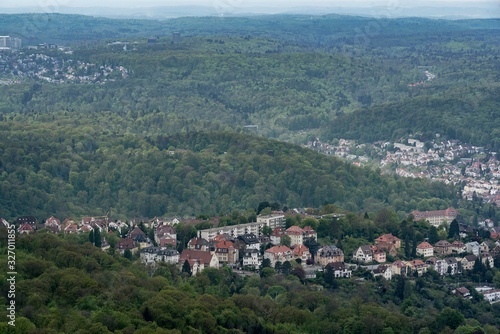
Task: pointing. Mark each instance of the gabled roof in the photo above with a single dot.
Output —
(4, 223)
(198, 242)
(442, 243)
(336, 266)
(437, 213)
(450, 260)
(381, 269)
(458, 243)
(329, 251)
(294, 230)
(200, 256)
(399, 264)
(277, 232)
(424, 245)
(365, 249)
(25, 227)
(224, 245)
(299, 250)
(126, 243)
(52, 220)
(221, 237)
(417, 263)
(71, 228)
(388, 238)
(470, 258)
(165, 229)
(309, 230)
(136, 231)
(463, 290)
(278, 249)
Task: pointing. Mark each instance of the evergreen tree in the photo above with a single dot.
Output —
(97, 238)
(127, 254)
(186, 267)
(91, 237)
(433, 235)
(400, 288)
(454, 230)
(286, 268)
(407, 246)
(414, 247)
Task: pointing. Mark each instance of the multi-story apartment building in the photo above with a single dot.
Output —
(438, 217)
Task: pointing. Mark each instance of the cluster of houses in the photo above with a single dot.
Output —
(245, 245)
(440, 256)
(480, 178)
(53, 69)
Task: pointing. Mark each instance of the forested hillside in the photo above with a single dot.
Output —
(152, 142)
(62, 170)
(65, 286)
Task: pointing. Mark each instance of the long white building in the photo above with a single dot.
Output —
(273, 221)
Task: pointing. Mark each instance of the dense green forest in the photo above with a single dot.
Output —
(170, 138)
(67, 286)
(57, 169)
(156, 142)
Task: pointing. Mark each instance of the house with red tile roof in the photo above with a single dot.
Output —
(458, 247)
(438, 217)
(310, 233)
(276, 235)
(165, 232)
(388, 248)
(301, 252)
(442, 248)
(199, 244)
(54, 222)
(495, 232)
(389, 238)
(425, 249)
(198, 260)
(226, 252)
(418, 265)
(126, 243)
(399, 268)
(72, 228)
(278, 253)
(25, 229)
(296, 234)
(378, 254)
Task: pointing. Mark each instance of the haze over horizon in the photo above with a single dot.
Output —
(176, 8)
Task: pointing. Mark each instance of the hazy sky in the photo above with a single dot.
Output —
(240, 3)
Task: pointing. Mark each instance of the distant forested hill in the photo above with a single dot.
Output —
(471, 114)
(303, 29)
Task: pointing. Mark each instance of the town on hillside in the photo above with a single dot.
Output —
(475, 169)
(18, 66)
(273, 243)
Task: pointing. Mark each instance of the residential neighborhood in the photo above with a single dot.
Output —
(476, 170)
(245, 246)
(18, 66)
